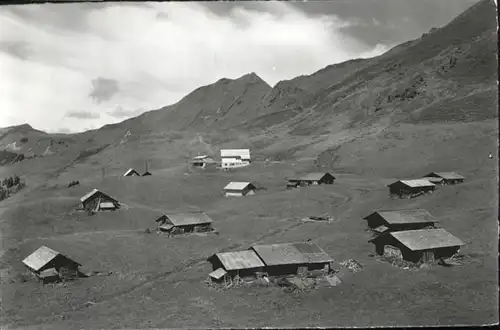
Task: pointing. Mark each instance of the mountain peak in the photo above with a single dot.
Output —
(25, 126)
(252, 77)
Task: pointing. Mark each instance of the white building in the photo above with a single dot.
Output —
(235, 157)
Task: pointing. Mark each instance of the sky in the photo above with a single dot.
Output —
(72, 67)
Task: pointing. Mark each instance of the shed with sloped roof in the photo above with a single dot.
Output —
(397, 220)
(45, 258)
(239, 189)
(410, 188)
(422, 245)
(316, 178)
(292, 258)
(131, 172)
(98, 201)
(181, 223)
(446, 177)
(242, 263)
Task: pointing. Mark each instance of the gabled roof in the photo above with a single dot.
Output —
(42, 256)
(433, 179)
(237, 185)
(218, 273)
(239, 260)
(423, 239)
(92, 193)
(291, 253)
(313, 176)
(415, 183)
(184, 219)
(405, 216)
(447, 175)
(131, 171)
(243, 153)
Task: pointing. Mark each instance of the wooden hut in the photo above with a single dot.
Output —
(49, 265)
(311, 179)
(131, 172)
(184, 223)
(98, 201)
(229, 264)
(292, 258)
(446, 177)
(239, 189)
(410, 188)
(397, 220)
(422, 245)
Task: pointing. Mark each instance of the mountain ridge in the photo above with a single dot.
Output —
(415, 82)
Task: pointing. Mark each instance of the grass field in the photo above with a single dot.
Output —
(159, 282)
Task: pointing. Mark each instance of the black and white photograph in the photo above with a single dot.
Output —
(248, 164)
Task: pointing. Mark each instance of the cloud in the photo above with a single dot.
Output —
(125, 56)
(63, 130)
(83, 115)
(103, 89)
(121, 113)
(17, 49)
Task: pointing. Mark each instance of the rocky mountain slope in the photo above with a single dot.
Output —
(448, 75)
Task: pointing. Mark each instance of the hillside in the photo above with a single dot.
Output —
(223, 103)
(427, 105)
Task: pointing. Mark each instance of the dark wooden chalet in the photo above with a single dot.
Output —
(422, 245)
(410, 188)
(49, 265)
(98, 201)
(184, 223)
(398, 220)
(229, 264)
(292, 258)
(446, 177)
(311, 179)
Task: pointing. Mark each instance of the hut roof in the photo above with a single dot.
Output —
(184, 219)
(94, 192)
(218, 273)
(433, 179)
(424, 239)
(131, 171)
(239, 260)
(238, 185)
(447, 175)
(200, 157)
(314, 176)
(42, 256)
(405, 216)
(243, 153)
(291, 253)
(415, 183)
